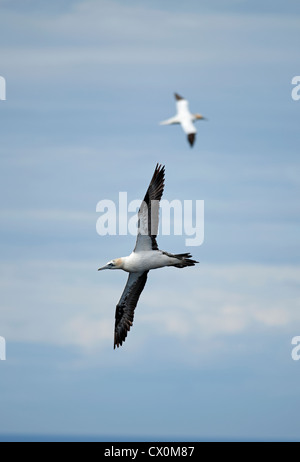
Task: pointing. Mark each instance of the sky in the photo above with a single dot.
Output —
(209, 355)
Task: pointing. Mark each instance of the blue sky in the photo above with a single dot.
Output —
(88, 82)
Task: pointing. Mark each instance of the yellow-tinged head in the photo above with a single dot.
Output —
(199, 117)
(113, 264)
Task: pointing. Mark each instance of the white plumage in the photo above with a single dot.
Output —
(185, 118)
(145, 257)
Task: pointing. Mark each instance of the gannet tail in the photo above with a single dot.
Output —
(184, 259)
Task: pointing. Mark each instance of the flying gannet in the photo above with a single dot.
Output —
(185, 118)
(145, 257)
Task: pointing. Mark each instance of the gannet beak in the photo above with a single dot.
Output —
(103, 268)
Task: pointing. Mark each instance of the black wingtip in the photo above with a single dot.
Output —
(157, 183)
(120, 339)
(191, 139)
(159, 168)
(159, 176)
(178, 97)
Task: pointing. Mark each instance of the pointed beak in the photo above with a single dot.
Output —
(103, 268)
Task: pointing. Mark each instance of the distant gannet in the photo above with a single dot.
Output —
(146, 256)
(185, 118)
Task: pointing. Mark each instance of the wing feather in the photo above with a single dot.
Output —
(127, 304)
(149, 212)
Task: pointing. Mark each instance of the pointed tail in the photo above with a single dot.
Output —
(185, 259)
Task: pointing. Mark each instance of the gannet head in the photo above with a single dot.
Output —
(113, 264)
(199, 117)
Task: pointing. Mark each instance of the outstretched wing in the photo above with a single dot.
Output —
(185, 117)
(126, 306)
(182, 106)
(187, 126)
(149, 212)
(171, 121)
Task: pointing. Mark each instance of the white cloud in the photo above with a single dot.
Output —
(63, 303)
(43, 215)
(230, 299)
(101, 33)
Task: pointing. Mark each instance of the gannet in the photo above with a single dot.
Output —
(185, 118)
(145, 257)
